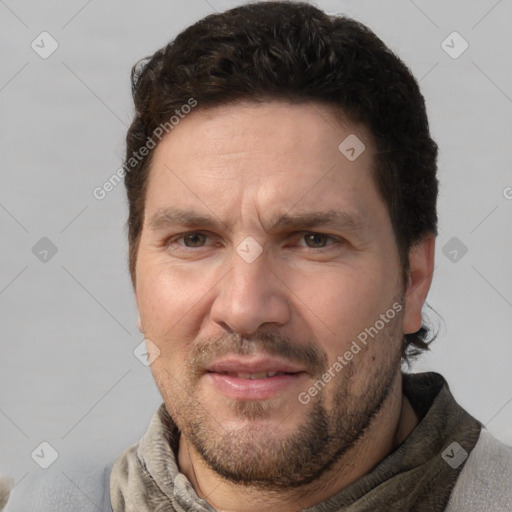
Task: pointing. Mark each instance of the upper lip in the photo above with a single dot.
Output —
(236, 364)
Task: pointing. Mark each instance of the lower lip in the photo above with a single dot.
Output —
(253, 389)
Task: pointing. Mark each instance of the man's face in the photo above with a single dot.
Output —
(265, 249)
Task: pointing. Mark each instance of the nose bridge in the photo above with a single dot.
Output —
(249, 270)
(250, 295)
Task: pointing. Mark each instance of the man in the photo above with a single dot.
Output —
(282, 191)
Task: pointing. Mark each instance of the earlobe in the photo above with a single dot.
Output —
(421, 261)
(139, 324)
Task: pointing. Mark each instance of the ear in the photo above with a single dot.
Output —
(421, 262)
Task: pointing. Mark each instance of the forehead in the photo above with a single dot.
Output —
(272, 127)
(272, 154)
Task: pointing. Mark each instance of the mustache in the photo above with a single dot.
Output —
(208, 349)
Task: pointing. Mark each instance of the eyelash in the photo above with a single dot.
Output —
(335, 240)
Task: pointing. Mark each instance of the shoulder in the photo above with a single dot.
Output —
(131, 486)
(484, 483)
(127, 471)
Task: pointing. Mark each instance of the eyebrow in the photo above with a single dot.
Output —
(174, 216)
(353, 222)
(350, 221)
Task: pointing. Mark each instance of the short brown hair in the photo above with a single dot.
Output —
(296, 52)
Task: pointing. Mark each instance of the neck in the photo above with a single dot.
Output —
(390, 428)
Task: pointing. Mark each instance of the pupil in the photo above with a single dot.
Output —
(316, 239)
(193, 240)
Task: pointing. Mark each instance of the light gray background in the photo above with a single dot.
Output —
(68, 375)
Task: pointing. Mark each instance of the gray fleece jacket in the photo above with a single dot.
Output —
(448, 463)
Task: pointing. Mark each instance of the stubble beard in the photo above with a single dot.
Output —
(254, 456)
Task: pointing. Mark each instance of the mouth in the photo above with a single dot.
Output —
(253, 379)
(254, 376)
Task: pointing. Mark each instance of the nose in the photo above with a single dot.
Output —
(250, 296)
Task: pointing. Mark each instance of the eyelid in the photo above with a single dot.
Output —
(334, 239)
(175, 238)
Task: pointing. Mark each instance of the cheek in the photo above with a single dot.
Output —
(341, 303)
(165, 300)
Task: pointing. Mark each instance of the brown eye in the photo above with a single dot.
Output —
(194, 240)
(316, 240)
